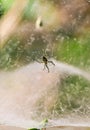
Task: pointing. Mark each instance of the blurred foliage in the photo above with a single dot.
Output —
(72, 99)
(74, 51)
(29, 13)
(74, 95)
(17, 53)
(6, 4)
(11, 54)
(1, 8)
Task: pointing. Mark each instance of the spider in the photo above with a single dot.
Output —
(46, 61)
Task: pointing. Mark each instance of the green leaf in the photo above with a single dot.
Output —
(33, 129)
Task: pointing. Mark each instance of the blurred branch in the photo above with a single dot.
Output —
(10, 20)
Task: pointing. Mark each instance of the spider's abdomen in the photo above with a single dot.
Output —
(45, 59)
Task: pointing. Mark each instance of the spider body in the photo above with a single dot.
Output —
(46, 61)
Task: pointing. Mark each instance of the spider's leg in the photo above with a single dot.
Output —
(47, 67)
(44, 67)
(51, 62)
